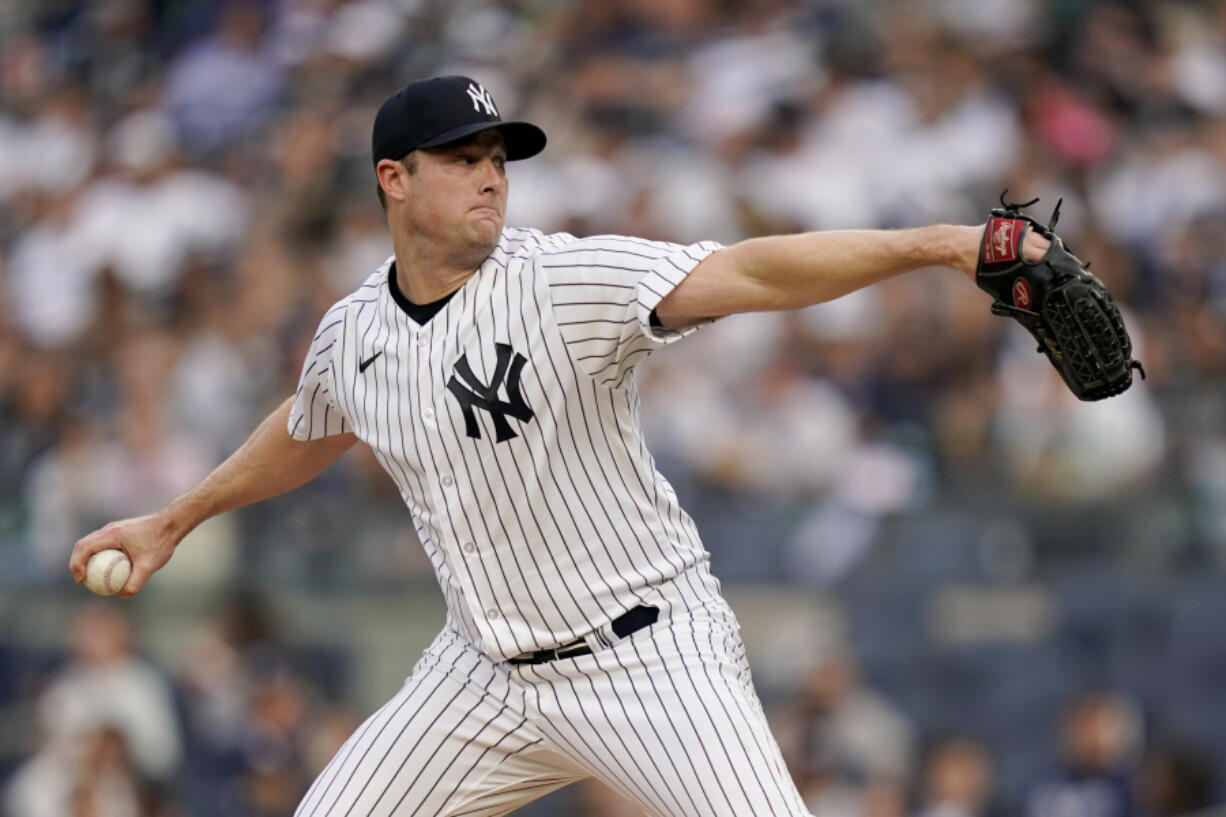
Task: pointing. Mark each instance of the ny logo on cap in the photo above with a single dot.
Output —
(481, 97)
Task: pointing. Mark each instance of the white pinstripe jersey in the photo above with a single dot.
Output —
(509, 421)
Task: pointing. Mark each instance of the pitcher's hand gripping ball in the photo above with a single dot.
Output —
(107, 571)
(1059, 301)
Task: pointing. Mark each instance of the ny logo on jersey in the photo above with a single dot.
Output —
(473, 394)
(480, 98)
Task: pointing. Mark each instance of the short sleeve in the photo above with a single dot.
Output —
(604, 289)
(315, 412)
(662, 280)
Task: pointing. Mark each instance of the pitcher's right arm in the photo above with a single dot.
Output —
(269, 463)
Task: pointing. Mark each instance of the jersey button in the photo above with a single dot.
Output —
(469, 547)
(422, 341)
(448, 481)
(428, 413)
(491, 613)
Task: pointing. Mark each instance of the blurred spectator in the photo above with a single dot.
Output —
(275, 733)
(850, 750)
(742, 77)
(91, 476)
(361, 244)
(1176, 780)
(144, 221)
(110, 728)
(1164, 180)
(53, 150)
(218, 674)
(222, 89)
(51, 274)
(957, 780)
(1198, 64)
(258, 730)
(362, 32)
(33, 406)
(999, 24)
(1058, 449)
(854, 728)
(117, 46)
(768, 430)
(1100, 741)
(105, 682)
(92, 777)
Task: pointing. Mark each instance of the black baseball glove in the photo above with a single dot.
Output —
(1059, 301)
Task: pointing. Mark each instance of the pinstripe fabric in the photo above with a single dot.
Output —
(510, 423)
(667, 717)
(454, 740)
(550, 534)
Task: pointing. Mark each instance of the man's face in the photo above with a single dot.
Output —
(457, 196)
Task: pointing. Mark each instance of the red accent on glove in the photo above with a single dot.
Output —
(1021, 294)
(1003, 240)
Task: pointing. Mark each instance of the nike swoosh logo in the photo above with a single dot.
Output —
(362, 366)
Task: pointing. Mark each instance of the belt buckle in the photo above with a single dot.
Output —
(575, 648)
(637, 618)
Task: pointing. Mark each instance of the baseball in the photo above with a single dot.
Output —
(107, 571)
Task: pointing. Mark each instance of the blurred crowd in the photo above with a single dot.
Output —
(238, 729)
(246, 720)
(185, 187)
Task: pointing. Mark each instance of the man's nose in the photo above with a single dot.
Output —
(492, 177)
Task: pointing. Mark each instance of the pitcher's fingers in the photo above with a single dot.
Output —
(141, 571)
(87, 546)
(1035, 246)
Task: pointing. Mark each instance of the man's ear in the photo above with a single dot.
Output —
(391, 176)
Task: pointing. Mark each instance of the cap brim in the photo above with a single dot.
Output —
(523, 139)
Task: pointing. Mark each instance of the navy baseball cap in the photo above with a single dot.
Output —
(433, 112)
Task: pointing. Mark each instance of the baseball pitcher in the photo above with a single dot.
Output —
(491, 371)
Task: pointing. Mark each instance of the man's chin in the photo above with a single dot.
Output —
(487, 229)
(483, 236)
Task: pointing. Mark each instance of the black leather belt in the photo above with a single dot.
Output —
(628, 622)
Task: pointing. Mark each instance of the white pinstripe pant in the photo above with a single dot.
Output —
(667, 717)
